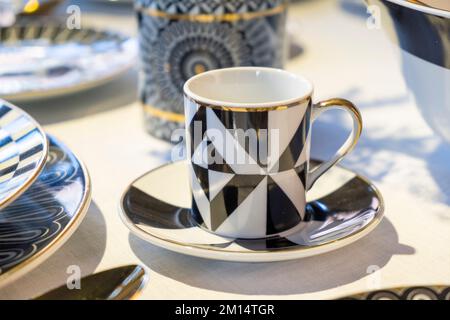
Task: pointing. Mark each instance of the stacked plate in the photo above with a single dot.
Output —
(43, 59)
(44, 193)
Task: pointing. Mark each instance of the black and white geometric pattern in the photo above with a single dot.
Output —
(217, 7)
(173, 50)
(256, 197)
(23, 149)
(345, 209)
(406, 293)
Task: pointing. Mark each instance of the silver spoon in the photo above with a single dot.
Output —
(123, 283)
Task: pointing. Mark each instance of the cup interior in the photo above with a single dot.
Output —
(248, 87)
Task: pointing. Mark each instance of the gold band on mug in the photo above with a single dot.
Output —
(350, 107)
(178, 117)
(162, 114)
(250, 109)
(439, 6)
(209, 18)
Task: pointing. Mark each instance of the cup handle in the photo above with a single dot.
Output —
(349, 144)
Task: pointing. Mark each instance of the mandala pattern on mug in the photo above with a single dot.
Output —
(173, 49)
(216, 7)
(183, 50)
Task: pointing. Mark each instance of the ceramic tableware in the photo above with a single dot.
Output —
(47, 59)
(37, 7)
(179, 39)
(122, 283)
(23, 151)
(342, 208)
(248, 138)
(36, 224)
(422, 30)
(115, 1)
(405, 293)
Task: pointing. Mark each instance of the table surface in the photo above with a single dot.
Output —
(397, 151)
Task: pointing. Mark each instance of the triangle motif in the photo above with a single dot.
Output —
(217, 180)
(201, 199)
(283, 127)
(232, 195)
(250, 216)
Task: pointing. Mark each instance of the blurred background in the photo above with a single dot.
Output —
(75, 66)
(341, 45)
(348, 48)
(97, 41)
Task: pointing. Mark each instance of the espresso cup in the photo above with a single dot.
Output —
(248, 136)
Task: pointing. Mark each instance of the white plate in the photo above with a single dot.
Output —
(42, 60)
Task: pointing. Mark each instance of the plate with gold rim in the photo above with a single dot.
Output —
(44, 59)
(23, 150)
(343, 207)
(35, 225)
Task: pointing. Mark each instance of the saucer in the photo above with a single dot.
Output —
(36, 224)
(47, 59)
(343, 207)
(23, 150)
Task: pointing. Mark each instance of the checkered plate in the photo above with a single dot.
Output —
(23, 151)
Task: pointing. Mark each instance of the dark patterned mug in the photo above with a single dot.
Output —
(248, 133)
(181, 38)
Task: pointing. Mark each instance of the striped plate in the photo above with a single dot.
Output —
(23, 151)
(45, 216)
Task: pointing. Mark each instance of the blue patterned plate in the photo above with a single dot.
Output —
(23, 150)
(35, 225)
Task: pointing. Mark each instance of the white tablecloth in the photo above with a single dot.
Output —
(398, 152)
